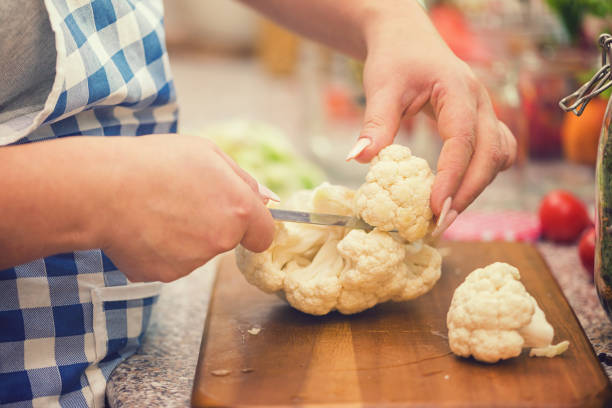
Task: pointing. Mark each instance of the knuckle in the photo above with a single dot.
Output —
(373, 122)
(466, 141)
(474, 85)
(438, 95)
(242, 209)
(497, 155)
(225, 243)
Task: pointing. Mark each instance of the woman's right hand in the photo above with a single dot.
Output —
(174, 202)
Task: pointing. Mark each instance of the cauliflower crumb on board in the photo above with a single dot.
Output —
(549, 351)
(319, 269)
(492, 317)
(221, 372)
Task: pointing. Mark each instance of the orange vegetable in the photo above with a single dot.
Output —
(580, 134)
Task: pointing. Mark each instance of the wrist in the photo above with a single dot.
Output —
(383, 22)
(54, 197)
(106, 183)
(90, 192)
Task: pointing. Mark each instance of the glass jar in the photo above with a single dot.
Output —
(576, 103)
(603, 225)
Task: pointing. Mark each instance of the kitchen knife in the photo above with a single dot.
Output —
(320, 219)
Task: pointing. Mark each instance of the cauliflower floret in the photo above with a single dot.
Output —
(424, 266)
(292, 243)
(330, 199)
(316, 287)
(320, 269)
(493, 317)
(375, 258)
(396, 193)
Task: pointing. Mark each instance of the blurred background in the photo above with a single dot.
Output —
(288, 110)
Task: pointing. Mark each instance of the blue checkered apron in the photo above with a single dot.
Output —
(67, 320)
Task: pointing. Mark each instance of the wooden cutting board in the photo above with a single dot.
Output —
(395, 354)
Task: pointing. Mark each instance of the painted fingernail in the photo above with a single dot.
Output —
(446, 222)
(267, 194)
(359, 147)
(445, 207)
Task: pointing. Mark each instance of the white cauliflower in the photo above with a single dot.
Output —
(320, 269)
(396, 193)
(382, 268)
(330, 199)
(492, 317)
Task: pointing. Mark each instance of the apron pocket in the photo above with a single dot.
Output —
(120, 317)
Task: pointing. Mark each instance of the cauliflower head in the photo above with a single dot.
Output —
(320, 269)
(396, 193)
(492, 317)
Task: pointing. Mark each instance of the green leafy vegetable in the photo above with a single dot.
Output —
(265, 153)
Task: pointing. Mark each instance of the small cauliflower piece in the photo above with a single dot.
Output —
(396, 193)
(330, 199)
(549, 351)
(319, 269)
(492, 317)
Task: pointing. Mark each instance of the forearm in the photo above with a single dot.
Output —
(346, 25)
(52, 193)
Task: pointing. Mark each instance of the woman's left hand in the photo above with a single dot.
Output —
(409, 68)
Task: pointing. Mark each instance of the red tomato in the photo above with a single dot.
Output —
(586, 250)
(563, 216)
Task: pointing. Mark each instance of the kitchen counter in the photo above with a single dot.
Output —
(161, 373)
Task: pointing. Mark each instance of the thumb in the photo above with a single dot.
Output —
(381, 121)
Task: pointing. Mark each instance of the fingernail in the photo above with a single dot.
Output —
(445, 207)
(359, 147)
(267, 194)
(445, 223)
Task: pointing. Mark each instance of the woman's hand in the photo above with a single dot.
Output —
(160, 206)
(408, 68)
(179, 201)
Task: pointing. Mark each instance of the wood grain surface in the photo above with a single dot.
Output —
(395, 354)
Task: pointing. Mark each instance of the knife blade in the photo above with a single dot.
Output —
(320, 219)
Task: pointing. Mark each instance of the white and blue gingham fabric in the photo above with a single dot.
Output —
(112, 75)
(67, 320)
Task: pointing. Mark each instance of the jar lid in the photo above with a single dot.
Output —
(602, 80)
